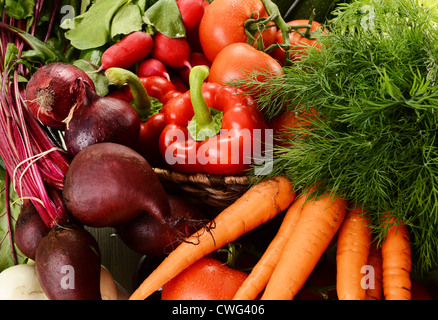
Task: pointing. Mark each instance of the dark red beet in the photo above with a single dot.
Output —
(102, 119)
(68, 264)
(108, 184)
(29, 230)
(148, 236)
(53, 90)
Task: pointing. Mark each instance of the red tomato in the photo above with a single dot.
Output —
(289, 119)
(223, 24)
(297, 41)
(238, 59)
(206, 279)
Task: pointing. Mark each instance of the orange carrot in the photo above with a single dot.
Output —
(319, 221)
(396, 263)
(262, 271)
(375, 288)
(258, 205)
(353, 247)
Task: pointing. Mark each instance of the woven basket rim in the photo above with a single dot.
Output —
(201, 178)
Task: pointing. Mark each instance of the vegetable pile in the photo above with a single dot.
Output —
(333, 121)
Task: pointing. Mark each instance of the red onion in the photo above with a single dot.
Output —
(54, 90)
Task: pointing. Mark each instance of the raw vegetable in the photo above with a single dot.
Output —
(353, 248)
(33, 161)
(152, 67)
(101, 119)
(131, 49)
(67, 263)
(219, 282)
(374, 139)
(210, 129)
(148, 236)
(216, 34)
(191, 12)
(319, 221)
(258, 205)
(20, 282)
(375, 291)
(300, 39)
(396, 262)
(29, 230)
(53, 90)
(240, 59)
(116, 183)
(262, 271)
(173, 52)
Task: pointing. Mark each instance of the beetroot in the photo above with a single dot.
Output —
(29, 230)
(102, 119)
(146, 235)
(68, 264)
(53, 90)
(108, 184)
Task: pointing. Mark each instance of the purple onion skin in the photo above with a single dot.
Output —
(108, 184)
(102, 119)
(53, 90)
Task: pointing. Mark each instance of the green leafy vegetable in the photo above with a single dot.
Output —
(92, 29)
(166, 18)
(374, 86)
(7, 258)
(20, 9)
(106, 21)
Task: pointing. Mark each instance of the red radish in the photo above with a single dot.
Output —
(196, 59)
(152, 67)
(173, 52)
(108, 184)
(191, 12)
(102, 119)
(131, 49)
(67, 264)
(53, 90)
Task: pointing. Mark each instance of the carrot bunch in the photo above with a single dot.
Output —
(307, 230)
(366, 272)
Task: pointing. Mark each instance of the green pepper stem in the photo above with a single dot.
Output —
(142, 102)
(197, 76)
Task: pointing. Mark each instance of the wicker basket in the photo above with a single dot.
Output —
(215, 191)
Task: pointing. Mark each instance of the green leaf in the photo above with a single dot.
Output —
(20, 9)
(11, 54)
(92, 28)
(6, 255)
(166, 18)
(100, 80)
(126, 20)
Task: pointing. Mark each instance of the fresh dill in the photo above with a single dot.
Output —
(374, 139)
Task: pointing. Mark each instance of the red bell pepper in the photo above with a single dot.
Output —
(139, 91)
(227, 124)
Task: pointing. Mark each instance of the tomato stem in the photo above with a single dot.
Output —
(120, 77)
